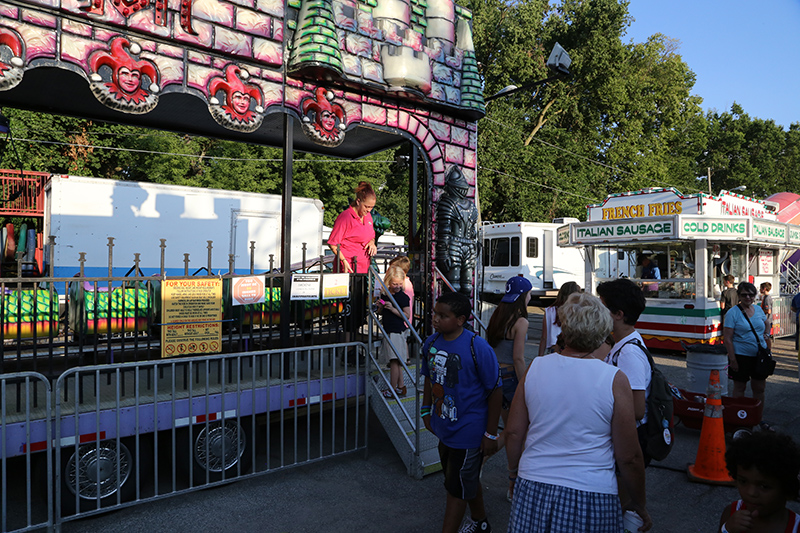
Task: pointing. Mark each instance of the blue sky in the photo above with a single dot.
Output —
(740, 50)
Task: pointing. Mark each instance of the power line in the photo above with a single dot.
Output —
(583, 157)
(537, 183)
(195, 156)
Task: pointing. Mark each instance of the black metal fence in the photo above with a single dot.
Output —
(50, 325)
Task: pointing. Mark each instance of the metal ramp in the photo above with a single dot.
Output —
(418, 447)
(400, 417)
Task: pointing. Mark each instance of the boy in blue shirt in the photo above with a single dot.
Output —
(461, 406)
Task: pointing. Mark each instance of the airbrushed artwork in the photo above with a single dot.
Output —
(402, 67)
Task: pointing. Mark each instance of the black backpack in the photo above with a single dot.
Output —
(659, 429)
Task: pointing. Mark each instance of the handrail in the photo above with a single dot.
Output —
(416, 420)
(446, 282)
(394, 302)
(386, 381)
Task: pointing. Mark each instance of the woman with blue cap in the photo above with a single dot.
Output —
(507, 333)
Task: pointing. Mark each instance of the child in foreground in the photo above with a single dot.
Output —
(460, 405)
(764, 466)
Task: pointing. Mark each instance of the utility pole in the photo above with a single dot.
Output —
(709, 181)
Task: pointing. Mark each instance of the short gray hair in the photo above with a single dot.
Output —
(585, 322)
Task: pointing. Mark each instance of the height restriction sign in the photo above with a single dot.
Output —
(192, 312)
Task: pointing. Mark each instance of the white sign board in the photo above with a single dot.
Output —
(701, 227)
(765, 262)
(248, 290)
(768, 231)
(305, 286)
(642, 204)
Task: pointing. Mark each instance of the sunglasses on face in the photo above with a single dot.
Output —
(747, 295)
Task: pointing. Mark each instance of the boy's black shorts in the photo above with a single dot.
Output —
(462, 469)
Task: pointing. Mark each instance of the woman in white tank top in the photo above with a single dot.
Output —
(571, 421)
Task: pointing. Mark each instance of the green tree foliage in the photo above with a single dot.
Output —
(623, 120)
(753, 152)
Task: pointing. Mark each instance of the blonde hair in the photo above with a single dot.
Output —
(585, 322)
(392, 273)
(401, 261)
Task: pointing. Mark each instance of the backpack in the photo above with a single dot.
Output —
(659, 428)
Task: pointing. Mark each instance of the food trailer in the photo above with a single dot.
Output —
(678, 248)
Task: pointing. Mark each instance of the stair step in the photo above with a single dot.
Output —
(392, 416)
(430, 461)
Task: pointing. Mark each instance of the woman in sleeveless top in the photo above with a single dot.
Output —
(571, 422)
(507, 332)
(551, 326)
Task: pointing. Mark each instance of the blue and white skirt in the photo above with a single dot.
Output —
(543, 508)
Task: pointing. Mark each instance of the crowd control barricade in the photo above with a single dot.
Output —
(136, 432)
(25, 418)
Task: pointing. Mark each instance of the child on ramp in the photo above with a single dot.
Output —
(396, 329)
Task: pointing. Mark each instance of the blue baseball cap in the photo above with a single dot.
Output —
(515, 287)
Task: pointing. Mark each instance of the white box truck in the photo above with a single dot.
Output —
(530, 249)
(82, 213)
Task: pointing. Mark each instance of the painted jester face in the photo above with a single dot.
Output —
(328, 120)
(240, 102)
(129, 80)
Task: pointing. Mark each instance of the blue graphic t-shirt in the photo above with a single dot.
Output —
(459, 389)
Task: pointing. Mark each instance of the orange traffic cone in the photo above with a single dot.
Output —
(709, 466)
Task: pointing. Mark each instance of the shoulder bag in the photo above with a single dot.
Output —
(765, 364)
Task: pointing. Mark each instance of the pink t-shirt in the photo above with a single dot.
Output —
(408, 288)
(351, 235)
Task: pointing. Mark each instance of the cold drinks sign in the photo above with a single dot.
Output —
(701, 227)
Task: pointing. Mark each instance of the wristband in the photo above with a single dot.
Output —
(724, 529)
(424, 411)
(490, 436)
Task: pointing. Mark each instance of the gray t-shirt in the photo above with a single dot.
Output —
(766, 306)
(505, 352)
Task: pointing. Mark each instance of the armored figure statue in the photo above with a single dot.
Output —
(457, 232)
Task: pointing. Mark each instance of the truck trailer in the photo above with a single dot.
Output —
(83, 213)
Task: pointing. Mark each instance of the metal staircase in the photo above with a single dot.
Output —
(400, 416)
(400, 419)
(418, 447)
(790, 278)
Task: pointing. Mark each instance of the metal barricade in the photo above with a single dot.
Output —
(25, 459)
(784, 323)
(137, 432)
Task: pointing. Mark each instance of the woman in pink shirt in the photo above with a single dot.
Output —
(352, 238)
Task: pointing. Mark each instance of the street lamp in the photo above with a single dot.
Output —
(558, 62)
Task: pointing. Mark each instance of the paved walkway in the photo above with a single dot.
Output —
(374, 494)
